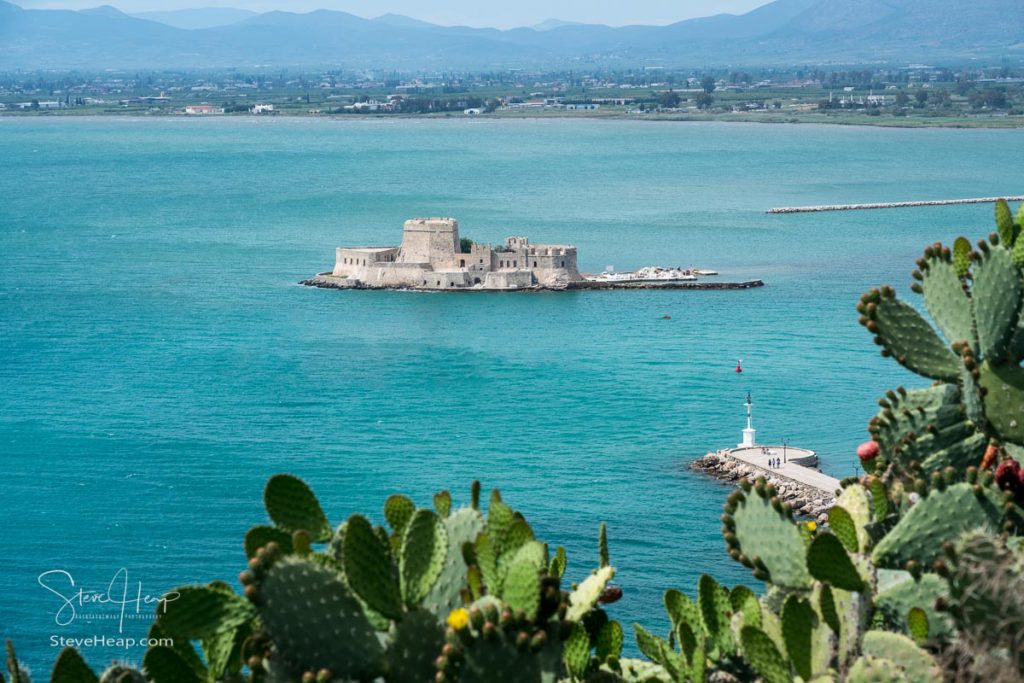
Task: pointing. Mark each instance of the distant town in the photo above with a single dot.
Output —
(913, 94)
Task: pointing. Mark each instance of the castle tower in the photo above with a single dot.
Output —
(749, 434)
(429, 240)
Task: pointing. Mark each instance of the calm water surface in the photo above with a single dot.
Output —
(158, 361)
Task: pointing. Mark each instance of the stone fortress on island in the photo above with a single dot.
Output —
(431, 257)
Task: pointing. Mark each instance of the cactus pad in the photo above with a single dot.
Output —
(416, 642)
(764, 533)
(1004, 399)
(293, 506)
(716, 613)
(164, 664)
(463, 526)
(577, 652)
(996, 295)
(869, 669)
(202, 611)
(939, 517)
(609, 641)
(315, 622)
(946, 301)
(797, 624)
(910, 339)
(843, 527)
(760, 651)
(398, 510)
(897, 599)
(916, 664)
(71, 668)
(369, 569)
(259, 536)
(827, 561)
(424, 548)
(521, 588)
(1004, 222)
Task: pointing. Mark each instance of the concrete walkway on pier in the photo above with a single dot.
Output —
(799, 465)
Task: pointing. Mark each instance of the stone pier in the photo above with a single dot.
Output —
(808, 490)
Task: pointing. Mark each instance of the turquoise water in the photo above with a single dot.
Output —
(158, 361)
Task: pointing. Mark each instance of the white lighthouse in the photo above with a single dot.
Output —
(749, 434)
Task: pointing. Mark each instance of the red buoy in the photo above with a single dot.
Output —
(739, 366)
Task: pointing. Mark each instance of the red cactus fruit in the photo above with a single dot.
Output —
(990, 458)
(1008, 475)
(610, 594)
(867, 451)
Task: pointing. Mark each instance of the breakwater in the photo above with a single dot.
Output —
(625, 284)
(891, 205)
(329, 281)
(809, 496)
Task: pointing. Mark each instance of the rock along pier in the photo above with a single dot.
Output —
(797, 478)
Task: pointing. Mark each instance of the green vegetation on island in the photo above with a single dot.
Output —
(917, 577)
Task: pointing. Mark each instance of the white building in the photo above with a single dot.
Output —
(203, 110)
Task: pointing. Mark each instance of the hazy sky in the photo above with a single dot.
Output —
(502, 14)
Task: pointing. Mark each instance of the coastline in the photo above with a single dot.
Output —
(908, 122)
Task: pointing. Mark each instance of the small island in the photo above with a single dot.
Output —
(432, 256)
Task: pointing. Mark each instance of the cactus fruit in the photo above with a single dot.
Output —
(867, 451)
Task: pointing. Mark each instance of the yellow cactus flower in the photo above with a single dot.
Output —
(458, 618)
(812, 526)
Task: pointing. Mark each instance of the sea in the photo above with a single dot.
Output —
(159, 361)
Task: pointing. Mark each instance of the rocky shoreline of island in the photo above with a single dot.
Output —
(328, 281)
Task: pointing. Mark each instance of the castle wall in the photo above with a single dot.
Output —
(351, 260)
(430, 240)
(509, 279)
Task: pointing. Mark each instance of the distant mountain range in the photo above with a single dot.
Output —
(781, 32)
(199, 17)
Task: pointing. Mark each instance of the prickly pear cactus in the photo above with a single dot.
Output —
(974, 298)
